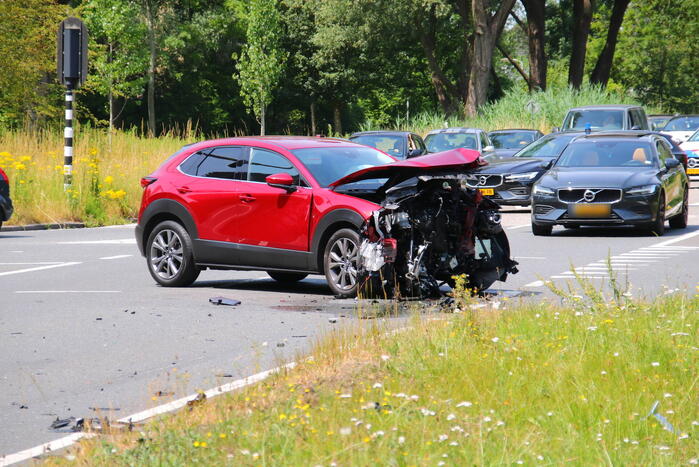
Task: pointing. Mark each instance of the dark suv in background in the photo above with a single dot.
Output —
(5, 201)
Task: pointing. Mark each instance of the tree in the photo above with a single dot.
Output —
(536, 35)
(262, 60)
(487, 29)
(603, 67)
(119, 61)
(582, 17)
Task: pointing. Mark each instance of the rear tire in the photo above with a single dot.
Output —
(657, 228)
(541, 230)
(681, 220)
(287, 277)
(340, 262)
(170, 256)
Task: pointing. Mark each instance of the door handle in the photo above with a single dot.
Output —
(184, 189)
(247, 198)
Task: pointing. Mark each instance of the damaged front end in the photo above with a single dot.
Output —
(429, 230)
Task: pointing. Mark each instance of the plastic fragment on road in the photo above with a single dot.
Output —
(224, 301)
(663, 421)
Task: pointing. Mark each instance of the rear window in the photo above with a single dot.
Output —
(437, 142)
(600, 119)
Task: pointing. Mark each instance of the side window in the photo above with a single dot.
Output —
(629, 119)
(663, 152)
(411, 143)
(229, 162)
(642, 119)
(419, 143)
(264, 163)
(191, 164)
(484, 141)
(636, 119)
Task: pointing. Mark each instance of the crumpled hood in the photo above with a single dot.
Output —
(597, 178)
(454, 160)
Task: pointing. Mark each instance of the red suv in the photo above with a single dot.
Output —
(257, 203)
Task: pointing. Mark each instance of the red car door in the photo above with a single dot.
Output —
(272, 217)
(209, 189)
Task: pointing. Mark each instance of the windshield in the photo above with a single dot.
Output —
(547, 146)
(390, 144)
(694, 137)
(438, 142)
(330, 164)
(682, 124)
(607, 154)
(658, 122)
(598, 120)
(513, 139)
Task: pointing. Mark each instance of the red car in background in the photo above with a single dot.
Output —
(272, 204)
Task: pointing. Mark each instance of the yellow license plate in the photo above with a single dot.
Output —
(693, 171)
(590, 210)
(487, 191)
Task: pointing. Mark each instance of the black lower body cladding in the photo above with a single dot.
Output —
(428, 231)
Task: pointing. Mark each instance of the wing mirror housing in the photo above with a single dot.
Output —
(490, 148)
(672, 163)
(281, 180)
(635, 127)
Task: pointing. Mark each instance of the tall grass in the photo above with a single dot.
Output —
(106, 173)
(517, 109)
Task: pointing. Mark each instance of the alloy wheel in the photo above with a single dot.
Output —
(166, 254)
(342, 263)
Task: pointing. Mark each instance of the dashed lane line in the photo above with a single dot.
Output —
(39, 268)
(65, 291)
(116, 257)
(119, 241)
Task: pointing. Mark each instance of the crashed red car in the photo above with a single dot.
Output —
(294, 206)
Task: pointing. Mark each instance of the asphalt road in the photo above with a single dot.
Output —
(83, 326)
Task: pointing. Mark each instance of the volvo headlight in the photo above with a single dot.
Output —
(542, 190)
(642, 190)
(521, 177)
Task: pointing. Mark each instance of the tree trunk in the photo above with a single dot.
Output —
(536, 33)
(487, 31)
(582, 17)
(603, 67)
(337, 119)
(262, 119)
(110, 98)
(313, 118)
(150, 20)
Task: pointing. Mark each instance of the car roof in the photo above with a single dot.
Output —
(514, 129)
(284, 142)
(382, 132)
(454, 129)
(621, 135)
(606, 106)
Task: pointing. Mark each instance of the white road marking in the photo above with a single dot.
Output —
(45, 448)
(122, 226)
(16, 251)
(530, 257)
(40, 268)
(535, 284)
(25, 264)
(116, 257)
(584, 277)
(121, 241)
(69, 440)
(67, 291)
(681, 238)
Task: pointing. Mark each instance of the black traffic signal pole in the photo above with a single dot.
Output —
(71, 58)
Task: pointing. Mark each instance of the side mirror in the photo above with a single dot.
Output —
(415, 152)
(635, 127)
(672, 163)
(489, 148)
(281, 180)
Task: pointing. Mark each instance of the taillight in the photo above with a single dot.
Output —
(145, 181)
(3, 176)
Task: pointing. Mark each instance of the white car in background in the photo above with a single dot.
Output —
(680, 128)
(691, 148)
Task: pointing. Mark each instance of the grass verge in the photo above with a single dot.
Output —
(535, 383)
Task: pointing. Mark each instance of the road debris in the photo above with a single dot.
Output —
(663, 421)
(224, 301)
(198, 400)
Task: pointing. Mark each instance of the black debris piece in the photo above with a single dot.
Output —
(61, 422)
(104, 409)
(224, 301)
(201, 397)
(163, 393)
(224, 375)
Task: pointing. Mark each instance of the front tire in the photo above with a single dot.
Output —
(541, 230)
(287, 277)
(340, 262)
(657, 228)
(170, 256)
(681, 220)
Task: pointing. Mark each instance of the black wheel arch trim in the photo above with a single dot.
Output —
(328, 225)
(161, 210)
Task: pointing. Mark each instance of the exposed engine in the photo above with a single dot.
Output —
(429, 230)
